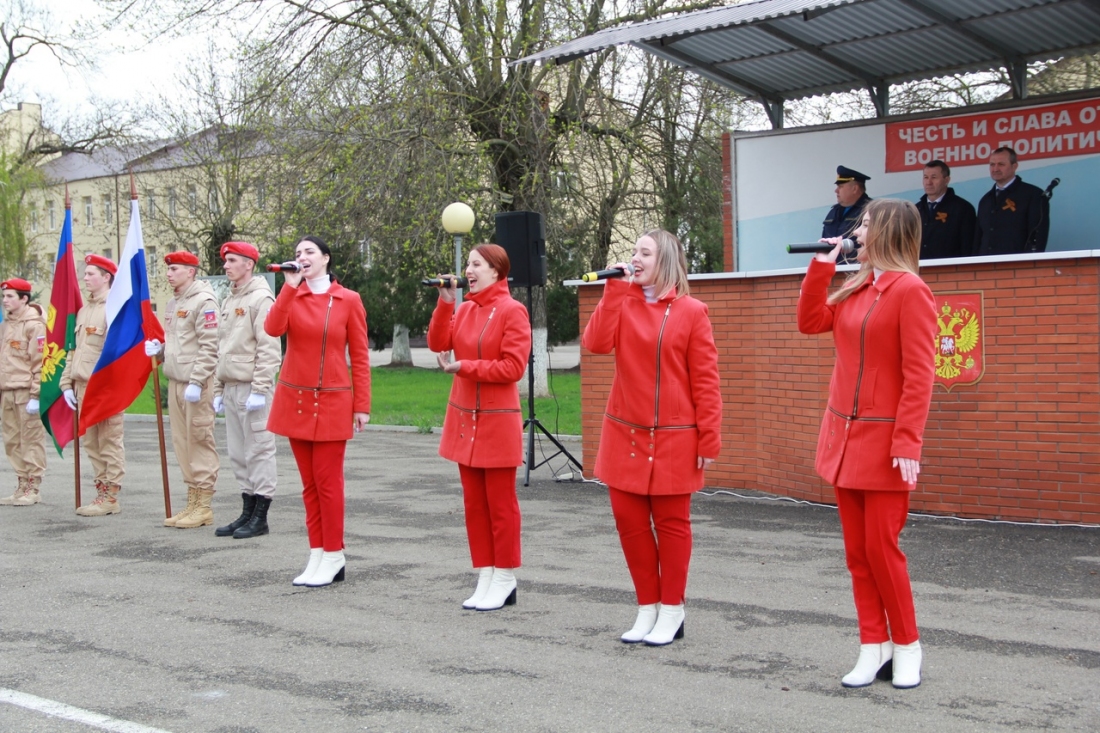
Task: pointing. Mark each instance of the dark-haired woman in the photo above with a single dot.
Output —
(318, 405)
(490, 337)
(883, 321)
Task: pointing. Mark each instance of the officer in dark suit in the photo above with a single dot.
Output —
(948, 221)
(1014, 216)
(851, 197)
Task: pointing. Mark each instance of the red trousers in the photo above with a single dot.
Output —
(871, 522)
(492, 516)
(655, 532)
(321, 465)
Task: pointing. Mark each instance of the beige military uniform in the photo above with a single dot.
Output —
(20, 379)
(102, 442)
(190, 356)
(248, 359)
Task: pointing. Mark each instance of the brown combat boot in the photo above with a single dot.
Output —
(29, 497)
(201, 515)
(105, 502)
(10, 500)
(192, 499)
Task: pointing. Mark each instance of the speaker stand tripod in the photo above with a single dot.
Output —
(532, 423)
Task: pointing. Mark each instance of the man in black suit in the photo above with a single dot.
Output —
(948, 220)
(1014, 216)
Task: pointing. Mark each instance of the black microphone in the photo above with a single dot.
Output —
(284, 267)
(591, 277)
(1050, 189)
(847, 246)
(443, 282)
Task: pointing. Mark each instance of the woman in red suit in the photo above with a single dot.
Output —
(317, 403)
(662, 426)
(490, 336)
(883, 321)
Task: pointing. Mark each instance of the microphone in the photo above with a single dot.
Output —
(847, 246)
(591, 277)
(1050, 189)
(284, 267)
(442, 282)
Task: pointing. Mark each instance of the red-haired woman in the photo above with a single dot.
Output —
(490, 337)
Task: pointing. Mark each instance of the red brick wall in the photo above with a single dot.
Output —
(1021, 444)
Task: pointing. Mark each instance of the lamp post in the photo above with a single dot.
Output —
(458, 219)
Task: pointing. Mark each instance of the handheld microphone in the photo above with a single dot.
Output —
(1050, 189)
(443, 282)
(591, 277)
(284, 267)
(847, 246)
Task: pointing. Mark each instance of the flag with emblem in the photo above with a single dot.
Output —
(65, 301)
(123, 368)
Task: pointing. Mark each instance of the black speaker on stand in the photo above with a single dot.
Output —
(523, 237)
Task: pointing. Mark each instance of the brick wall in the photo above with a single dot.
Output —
(1021, 444)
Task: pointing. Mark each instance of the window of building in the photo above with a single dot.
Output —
(171, 203)
(213, 201)
(34, 218)
(53, 263)
(151, 262)
(192, 200)
(51, 211)
(151, 198)
(261, 195)
(108, 209)
(87, 211)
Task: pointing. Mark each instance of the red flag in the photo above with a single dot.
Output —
(65, 301)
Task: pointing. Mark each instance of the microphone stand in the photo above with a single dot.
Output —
(532, 423)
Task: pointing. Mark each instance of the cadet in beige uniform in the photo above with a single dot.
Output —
(190, 356)
(102, 441)
(248, 359)
(20, 379)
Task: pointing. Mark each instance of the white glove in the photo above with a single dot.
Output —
(70, 398)
(192, 393)
(219, 404)
(255, 402)
(153, 347)
(32, 407)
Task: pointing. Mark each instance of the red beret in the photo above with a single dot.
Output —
(183, 257)
(244, 249)
(16, 283)
(102, 263)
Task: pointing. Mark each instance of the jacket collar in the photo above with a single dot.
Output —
(490, 295)
(254, 283)
(335, 289)
(887, 279)
(636, 291)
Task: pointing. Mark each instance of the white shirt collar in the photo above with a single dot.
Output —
(319, 285)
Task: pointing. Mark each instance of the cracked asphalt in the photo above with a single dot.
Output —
(183, 631)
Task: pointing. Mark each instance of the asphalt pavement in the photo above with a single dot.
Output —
(121, 624)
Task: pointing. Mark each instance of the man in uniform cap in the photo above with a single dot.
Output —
(20, 381)
(248, 359)
(846, 215)
(190, 357)
(102, 441)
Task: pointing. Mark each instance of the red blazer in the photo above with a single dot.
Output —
(315, 397)
(881, 387)
(665, 407)
(490, 333)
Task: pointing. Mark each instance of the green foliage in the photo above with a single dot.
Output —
(562, 314)
(14, 184)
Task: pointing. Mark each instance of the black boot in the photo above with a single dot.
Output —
(246, 514)
(257, 525)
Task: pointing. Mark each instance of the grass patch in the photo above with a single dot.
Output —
(418, 397)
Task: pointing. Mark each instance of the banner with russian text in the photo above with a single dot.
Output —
(1046, 131)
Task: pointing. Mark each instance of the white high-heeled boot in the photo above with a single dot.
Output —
(330, 570)
(907, 659)
(874, 661)
(484, 577)
(643, 624)
(502, 591)
(311, 566)
(669, 626)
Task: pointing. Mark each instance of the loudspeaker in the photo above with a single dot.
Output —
(523, 237)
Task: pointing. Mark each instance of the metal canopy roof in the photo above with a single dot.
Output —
(775, 50)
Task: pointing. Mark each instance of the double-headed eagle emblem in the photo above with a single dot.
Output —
(959, 334)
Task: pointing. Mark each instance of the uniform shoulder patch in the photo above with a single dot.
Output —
(210, 318)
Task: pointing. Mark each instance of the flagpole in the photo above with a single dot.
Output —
(156, 399)
(76, 410)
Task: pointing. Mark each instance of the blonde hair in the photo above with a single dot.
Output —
(671, 264)
(892, 243)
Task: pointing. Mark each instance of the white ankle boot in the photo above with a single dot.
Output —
(669, 626)
(501, 592)
(330, 570)
(643, 624)
(907, 659)
(311, 566)
(874, 661)
(484, 577)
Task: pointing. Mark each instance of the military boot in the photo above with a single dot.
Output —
(246, 514)
(201, 515)
(192, 499)
(257, 524)
(29, 497)
(105, 502)
(10, 500)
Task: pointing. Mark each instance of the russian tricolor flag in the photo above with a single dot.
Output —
(123, 368)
